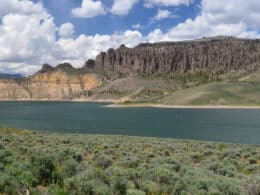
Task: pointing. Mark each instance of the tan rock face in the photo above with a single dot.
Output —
(12, 90)
(54, 86)
(200, 55)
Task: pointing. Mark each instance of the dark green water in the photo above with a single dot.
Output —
(240, 126)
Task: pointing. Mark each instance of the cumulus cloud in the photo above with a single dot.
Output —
(136, 26)
(24, 7)
(164, 14)
(89, 9)
(91, 46)
(231, 18)
(66, 30)
(27, 35)
(122, 7)
(152, 3)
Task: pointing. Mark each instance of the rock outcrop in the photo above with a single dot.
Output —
(209, 55)
(49, 84)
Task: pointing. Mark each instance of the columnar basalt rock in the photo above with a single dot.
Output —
(211, 54)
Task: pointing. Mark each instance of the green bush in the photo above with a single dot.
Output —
(91, 181)
(135, 192)
(118, 179)
(43, 167)
(70, 167)
(8, 184)
(129, 162)
(104, 161)
(4, 156)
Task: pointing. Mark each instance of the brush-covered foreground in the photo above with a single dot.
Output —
(46, 163)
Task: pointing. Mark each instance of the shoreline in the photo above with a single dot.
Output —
(117, 104)
(64, 100)
(15, 130)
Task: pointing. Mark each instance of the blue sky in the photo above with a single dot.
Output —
(33, 32)
(109, 23)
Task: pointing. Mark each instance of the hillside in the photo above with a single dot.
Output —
(46, 163)
(216, 71)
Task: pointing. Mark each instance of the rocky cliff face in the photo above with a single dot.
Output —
(209, 55)
(45, 85)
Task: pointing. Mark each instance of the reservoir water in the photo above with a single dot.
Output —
(223, 125)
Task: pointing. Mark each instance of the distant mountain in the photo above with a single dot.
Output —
(10, 76)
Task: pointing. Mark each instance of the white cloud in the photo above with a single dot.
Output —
(152, 3)
(230, 18)
(27, 37)
(157, 36)
(164, 14)
(84, 47)
(66, 30)
(136, 26)
(89, 9)
(122, 7)
(21, 35)
(24, 7)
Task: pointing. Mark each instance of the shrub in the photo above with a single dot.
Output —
(163, 175)
(252, 161)
(252, 186)
(4, 156)
(222, 169)
(69, 167)
(150, 187)
(135, 192)
(129, 162)
(91, 181)
(196, 157)
(118, 180)
(43, 167)
(78, 157)
(29, 178)
(174, 164)
(120, 185)
(8, 184)
(104, 161)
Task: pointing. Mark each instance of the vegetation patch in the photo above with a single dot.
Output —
(46, 163)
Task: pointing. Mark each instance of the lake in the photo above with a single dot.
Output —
(223, 125)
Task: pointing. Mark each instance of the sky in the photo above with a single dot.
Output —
(34, 32)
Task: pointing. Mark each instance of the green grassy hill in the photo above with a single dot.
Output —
(45, 163)
(217, 93)
(237, 89)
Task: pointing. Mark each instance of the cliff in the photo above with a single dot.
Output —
(49, 85)
(208, 55)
